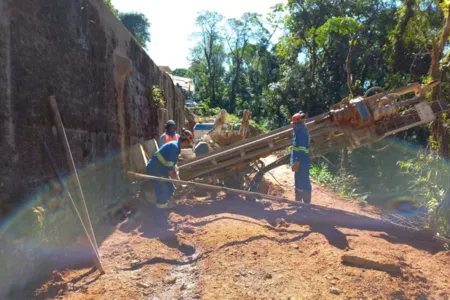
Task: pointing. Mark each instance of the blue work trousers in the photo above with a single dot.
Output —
(163, 191)
(302, 181)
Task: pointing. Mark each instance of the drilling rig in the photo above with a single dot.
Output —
(351, 123)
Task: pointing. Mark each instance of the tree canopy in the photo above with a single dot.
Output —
(332, 50)
(136, 23)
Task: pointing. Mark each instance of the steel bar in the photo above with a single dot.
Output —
(216, 188)
(68, 154)
(74, 208)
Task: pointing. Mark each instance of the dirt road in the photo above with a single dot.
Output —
(233, 249)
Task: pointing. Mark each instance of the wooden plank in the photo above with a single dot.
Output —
(388, 267)
(151, 146)
(138, 157)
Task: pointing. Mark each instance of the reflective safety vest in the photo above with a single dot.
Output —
(168, 138)
(300, 149)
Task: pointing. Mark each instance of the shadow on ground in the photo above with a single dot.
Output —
(322, 220)
(325, 221)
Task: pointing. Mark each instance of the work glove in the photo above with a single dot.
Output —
(179, 185)
(177, 174)
(295, 167)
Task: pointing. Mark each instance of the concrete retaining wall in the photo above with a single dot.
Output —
(81, 51)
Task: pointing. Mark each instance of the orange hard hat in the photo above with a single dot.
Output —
(298, 117)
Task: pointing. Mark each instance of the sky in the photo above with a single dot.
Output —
(173, 22)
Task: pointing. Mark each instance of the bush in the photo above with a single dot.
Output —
(321, 174)
(158, 96)
(259, 126)
(429, 177)
(343, 184)
(204, 111)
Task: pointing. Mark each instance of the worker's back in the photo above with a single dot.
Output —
(164, 160)
(301, 141)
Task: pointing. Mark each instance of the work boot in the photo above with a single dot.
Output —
(298, 195)
(161, 217)
(307, 197)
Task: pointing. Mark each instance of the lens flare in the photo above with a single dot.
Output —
(405, 206)
(52, 195)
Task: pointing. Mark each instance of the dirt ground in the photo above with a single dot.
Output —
(234, 249)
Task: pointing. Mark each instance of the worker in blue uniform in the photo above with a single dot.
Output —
(300, 160)
(163, 164)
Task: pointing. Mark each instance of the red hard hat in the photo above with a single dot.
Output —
(298, 117)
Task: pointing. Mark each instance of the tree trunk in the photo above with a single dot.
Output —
(344, 161)
(213, 102)
(440, 134)
(344, 153)
(399, 46)
(234, 87)
(313, 80)
(348, 69)
(438, 129)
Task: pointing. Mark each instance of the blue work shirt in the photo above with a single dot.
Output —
(300, 144)
(164, 160)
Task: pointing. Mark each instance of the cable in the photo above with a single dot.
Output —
(274, 177)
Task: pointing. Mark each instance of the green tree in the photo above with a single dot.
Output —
(240, 34)
(336, 49)
(182, 72)
(260, 68)
(207, 57)
(112, 8)
(138, 25)
(441, 126)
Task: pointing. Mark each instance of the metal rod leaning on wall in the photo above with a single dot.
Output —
(97, 262)
(54, 166)
(68, 154)
(218, 188)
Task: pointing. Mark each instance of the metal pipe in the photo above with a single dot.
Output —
(217, 188)
(260, 153)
